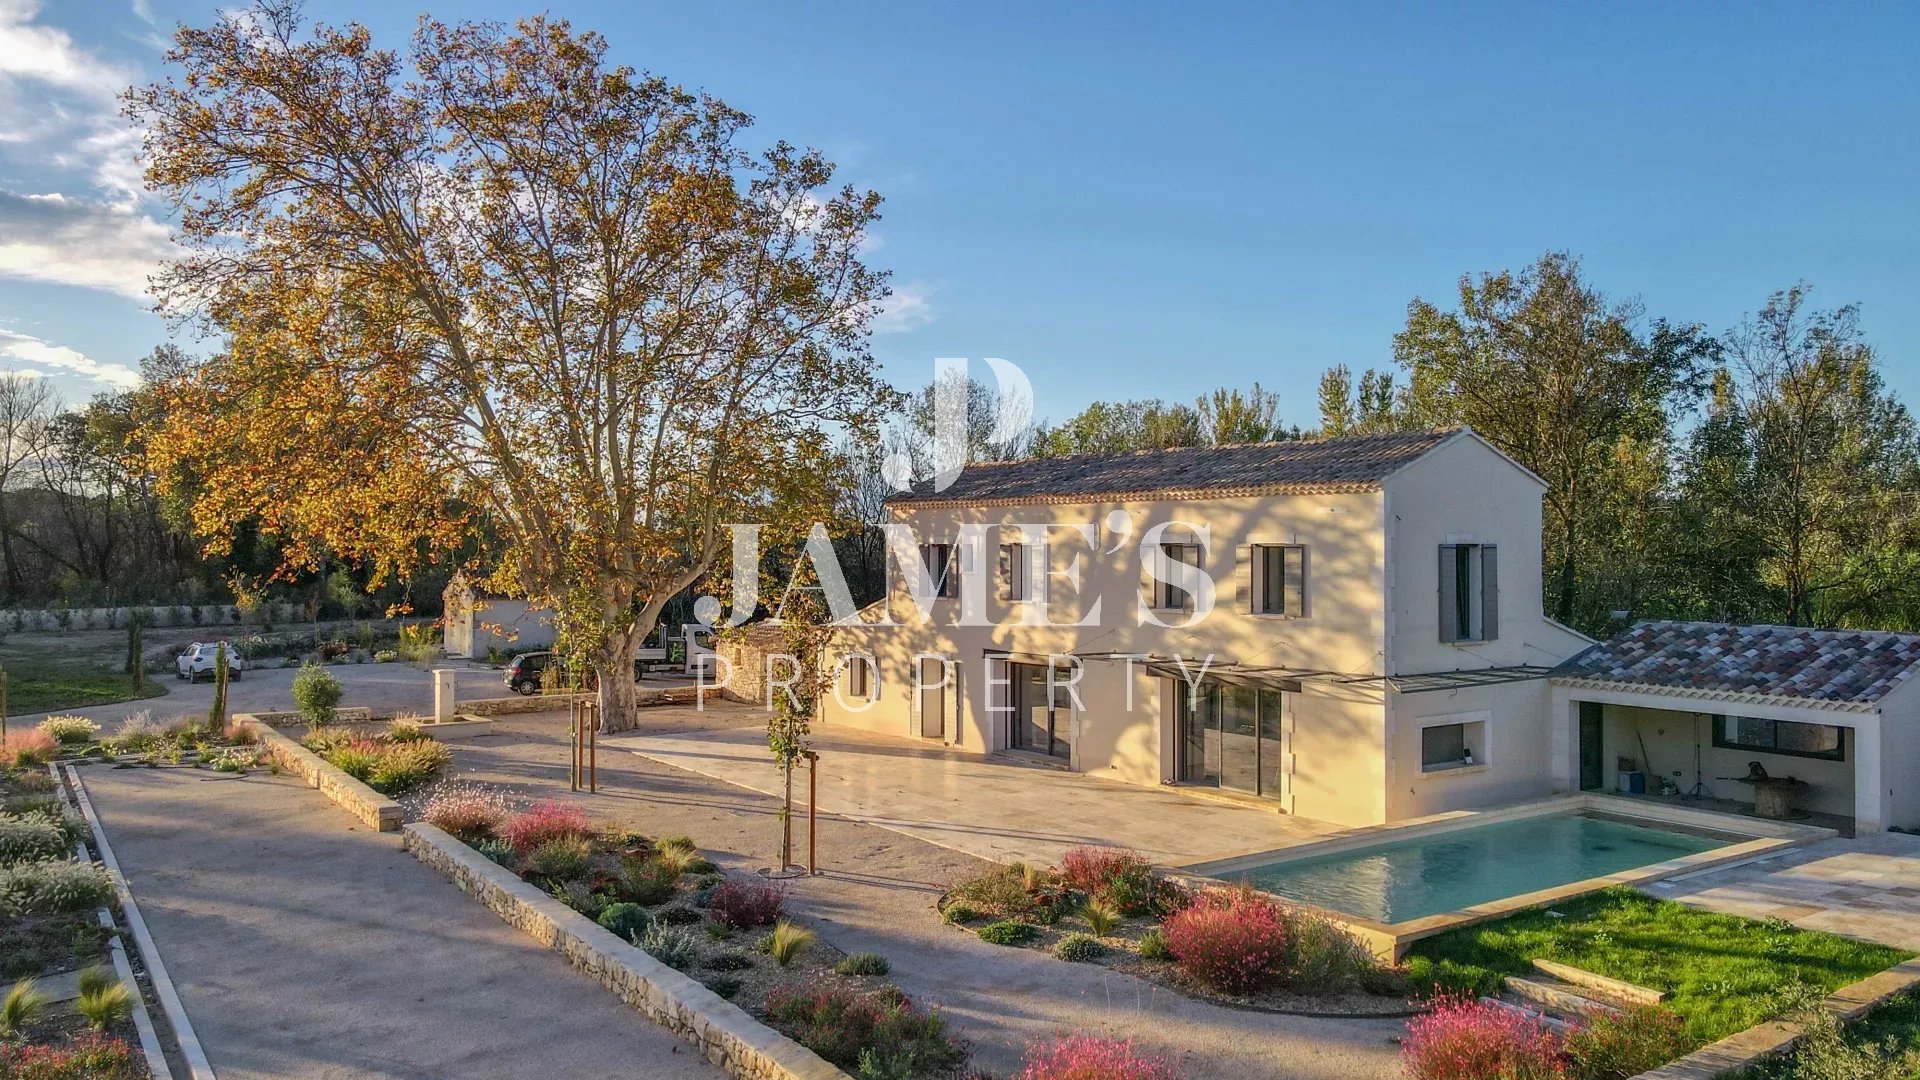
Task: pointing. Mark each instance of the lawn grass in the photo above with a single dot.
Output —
(43, 684)
(1724, 972)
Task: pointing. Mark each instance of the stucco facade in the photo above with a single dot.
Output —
(477, 621)
(1334, 738)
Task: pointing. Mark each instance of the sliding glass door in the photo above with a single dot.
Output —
(1229, 738)
(1042, 720)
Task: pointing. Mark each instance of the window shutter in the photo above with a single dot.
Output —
(1294, 596)
(1489, 593)
(1038, 583)
(1006, 571)
(1244, 587)
(1449, 584)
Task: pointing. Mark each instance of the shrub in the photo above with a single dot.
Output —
(1153, 945)
(90, 1057)
(545, 821)
(579, 896)
(1008, 932)
(402, 767)
(676, 915)
(1466, 1039)
(105, 1005)
(69, 730)
(729, 960)
(624, 919)
(22, 1004)
(495, 849)
(787, 942)
(842, 1024)
(53, 886)
(1092, 1057)
(1100, 917)
(406, 731)
(562, 858)
(960, 913)
(1079, 948)
(356, 757)
(1119, 877)
(674, 946)
(95, 978)
(325, 740)
(744, 904)
(724, 985)
(648, 881)
(1007, 892)
(863, 963)
(1233, 940)
(1321, 956)
(27, 749)
(1824, 1052)
(466, 809)
(316, 693)
(1636, 1039)
(37, 835)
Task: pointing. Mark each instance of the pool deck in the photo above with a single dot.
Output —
(1764, 839)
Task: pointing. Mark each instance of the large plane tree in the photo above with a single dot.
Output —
(496, 278)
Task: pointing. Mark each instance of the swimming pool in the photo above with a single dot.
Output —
(1401, 880)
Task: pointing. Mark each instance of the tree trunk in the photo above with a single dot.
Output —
(619, 695)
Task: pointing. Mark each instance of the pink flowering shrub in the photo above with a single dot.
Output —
(741, 904)
(1633, 1040)
(1467, 1039)
(1091, 1057)
(466, 809)
(91, 1057)
(546, 821)
(1234, 940)
(27, 748)
(1122, 878)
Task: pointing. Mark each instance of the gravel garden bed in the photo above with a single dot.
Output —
(729, 932)
(48, 930)
(1229, 946)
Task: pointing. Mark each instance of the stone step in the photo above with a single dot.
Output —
(1556, 997)
(1617, 989)
(1546, 1019)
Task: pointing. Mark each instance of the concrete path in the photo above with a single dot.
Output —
(877, 894)
(306, 947)
(992, 808)
(1866, 888)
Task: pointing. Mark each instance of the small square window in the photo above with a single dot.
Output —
(1452, 746)
(1167, 595)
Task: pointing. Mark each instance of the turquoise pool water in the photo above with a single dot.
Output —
(1411, 879)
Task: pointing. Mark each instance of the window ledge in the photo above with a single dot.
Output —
(1277, 617)
(1454, 770)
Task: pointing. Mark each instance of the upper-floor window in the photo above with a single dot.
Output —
(1279, 579)
(1167, 595)
(1016, 581)
(1469, 592)
(942, 569)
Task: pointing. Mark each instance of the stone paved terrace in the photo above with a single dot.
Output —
(1866, 888)
(987, 807)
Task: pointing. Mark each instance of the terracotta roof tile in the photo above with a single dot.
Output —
(1856, 666)
(1300, 466)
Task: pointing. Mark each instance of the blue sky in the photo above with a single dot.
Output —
(1156, 199)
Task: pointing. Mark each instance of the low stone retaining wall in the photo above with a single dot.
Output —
(288, 718)
(1741, 1049)
(507, 706)
(729, 1038)
(352, 796)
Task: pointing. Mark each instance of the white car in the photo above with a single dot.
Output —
(197, 662)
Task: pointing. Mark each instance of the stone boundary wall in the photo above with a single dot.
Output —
(729, 1038)
(357, 714)
(356, 798)
(508, 706)
(1745, 1048)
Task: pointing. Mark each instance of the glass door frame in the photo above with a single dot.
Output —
(1270, 734)
(1022, 681)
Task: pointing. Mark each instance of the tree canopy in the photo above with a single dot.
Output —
(498, 276)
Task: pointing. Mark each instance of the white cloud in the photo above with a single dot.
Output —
(75, 242)
(32, 350)
(908, 307)
(62, 100)
(143, 10)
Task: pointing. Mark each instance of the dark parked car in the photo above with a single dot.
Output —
(529, 671)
